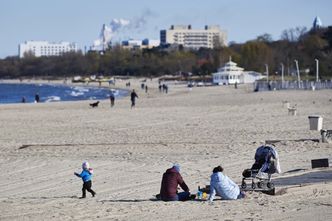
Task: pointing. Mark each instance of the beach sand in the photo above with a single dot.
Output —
(42, 145)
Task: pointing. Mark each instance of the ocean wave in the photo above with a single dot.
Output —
(76, 94)
(115, 92)
(81, 89)
(52, 99)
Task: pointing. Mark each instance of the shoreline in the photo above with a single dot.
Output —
(123, 92)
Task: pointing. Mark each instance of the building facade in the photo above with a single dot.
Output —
(140, 44)
(209, 37)
(45, 48)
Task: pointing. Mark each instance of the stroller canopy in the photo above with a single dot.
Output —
(267, 159)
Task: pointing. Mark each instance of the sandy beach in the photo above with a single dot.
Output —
(42, 145)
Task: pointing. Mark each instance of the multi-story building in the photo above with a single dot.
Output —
(45, 48)
(209, 37)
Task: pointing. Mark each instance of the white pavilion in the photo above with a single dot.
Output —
(231, 74)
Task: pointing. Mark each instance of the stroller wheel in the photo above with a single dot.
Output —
(243, 185)
(253, 185)
(270, 185)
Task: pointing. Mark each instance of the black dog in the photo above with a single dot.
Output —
(94, 104)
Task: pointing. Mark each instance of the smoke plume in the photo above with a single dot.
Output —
(121, 25)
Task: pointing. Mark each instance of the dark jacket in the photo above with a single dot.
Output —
(171, 180)
(133, 95)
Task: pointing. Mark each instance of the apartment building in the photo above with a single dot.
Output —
(45, 48)
(209, 37)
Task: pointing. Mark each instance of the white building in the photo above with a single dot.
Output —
(149, 43)
(231, 74)
(139, 44)
(45, 48)
(209, 37)
(131, 44)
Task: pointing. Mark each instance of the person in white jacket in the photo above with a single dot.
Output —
(223, 186)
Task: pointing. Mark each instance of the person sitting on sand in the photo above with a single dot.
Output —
(86, 175)
(170, 181)
(223, 186)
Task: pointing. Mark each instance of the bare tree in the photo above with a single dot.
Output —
(293, 34)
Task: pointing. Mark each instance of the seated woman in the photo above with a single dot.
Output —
(170, 181)
(223, 186)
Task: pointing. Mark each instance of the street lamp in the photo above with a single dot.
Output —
(298, 72)
(317, 70)
(267, 72)
(282, 73)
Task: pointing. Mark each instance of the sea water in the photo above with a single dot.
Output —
(14, 93)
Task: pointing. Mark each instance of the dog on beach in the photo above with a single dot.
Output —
(95, 104)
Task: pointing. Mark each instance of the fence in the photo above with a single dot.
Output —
(292, 85)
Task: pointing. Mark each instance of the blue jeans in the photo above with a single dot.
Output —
(241, 195)
(183, 196)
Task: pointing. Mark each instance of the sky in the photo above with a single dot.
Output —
(81, 21)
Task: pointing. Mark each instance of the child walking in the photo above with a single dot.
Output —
(86, 175)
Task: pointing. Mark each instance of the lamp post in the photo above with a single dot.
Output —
(298, 72)
(267, 72)
(317, 70)
(282, 73)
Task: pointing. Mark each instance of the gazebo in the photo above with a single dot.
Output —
(228, 74)
(231, 74)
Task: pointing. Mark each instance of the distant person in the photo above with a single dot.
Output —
(112, 99)
(133, 97)
(146, 88)
(235, 85)
(23, 100)
(169, 184)
(223, 186)
(37, 98)
(86, 176)
(160, 87)
(256, 88)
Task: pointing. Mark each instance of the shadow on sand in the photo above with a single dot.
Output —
(307, 178)
(49, 197)
(129, 201)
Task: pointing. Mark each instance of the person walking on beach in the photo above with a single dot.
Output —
(37, 98)
(133, 97)
(170, 181)
(86, 176)
(223, 186)
(112, 99)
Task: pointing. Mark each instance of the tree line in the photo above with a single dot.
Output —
(295, 44)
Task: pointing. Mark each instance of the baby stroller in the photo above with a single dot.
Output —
(266, 164)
